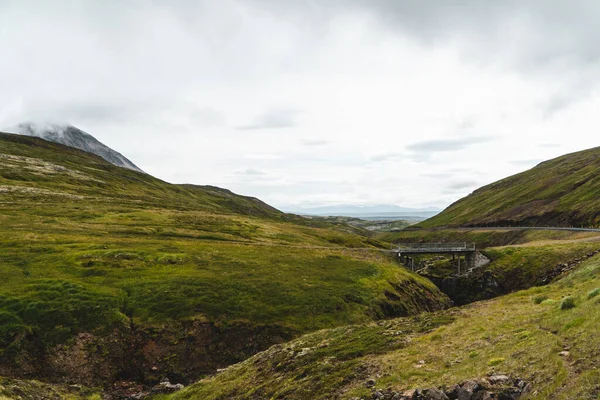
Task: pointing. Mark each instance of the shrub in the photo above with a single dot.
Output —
(593, 293)
(539, 299)
(495, 361)
(567, 303)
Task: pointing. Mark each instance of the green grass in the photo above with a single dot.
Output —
(564, 191)
(28, 389)
(523, 267)
(483, 238)
(510, 335)
(89, 247)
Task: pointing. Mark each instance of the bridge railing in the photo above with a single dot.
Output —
(436, 246)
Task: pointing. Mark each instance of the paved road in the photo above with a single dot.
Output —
(519, 228)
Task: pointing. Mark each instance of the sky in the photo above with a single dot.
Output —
(309, 103)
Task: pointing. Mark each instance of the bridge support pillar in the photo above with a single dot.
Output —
(470, 258)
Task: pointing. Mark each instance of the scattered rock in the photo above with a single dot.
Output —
(495, 387)
(499, 380)
(166, 387)
(434, 394)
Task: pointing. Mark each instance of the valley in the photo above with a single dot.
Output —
(114, 281)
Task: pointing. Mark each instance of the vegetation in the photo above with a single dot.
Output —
(368, 225)
(561, 192)
(484, 238)
(89, 247)
(16, 389)
(554, 349)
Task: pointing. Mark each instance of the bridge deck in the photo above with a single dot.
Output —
(429, 248)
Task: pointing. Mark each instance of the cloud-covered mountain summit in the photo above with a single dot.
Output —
(71, 136)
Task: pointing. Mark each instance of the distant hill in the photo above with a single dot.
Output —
(561, 192)
(76, 138)
(382, 212)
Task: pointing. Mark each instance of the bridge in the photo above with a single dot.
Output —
(406, 251)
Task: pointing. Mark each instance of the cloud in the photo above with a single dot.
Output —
(314, 142)
(377, 94)
(275, 118)
(526, 163)
(460, 186)
(250, 172)
(443, 145)
(387, 157)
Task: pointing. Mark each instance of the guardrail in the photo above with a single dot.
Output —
(436, 247)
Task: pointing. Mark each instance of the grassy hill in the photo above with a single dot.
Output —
(564, 191)
(112, 274)
(545, 336)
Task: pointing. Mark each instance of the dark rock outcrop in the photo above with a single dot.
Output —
(495, 387)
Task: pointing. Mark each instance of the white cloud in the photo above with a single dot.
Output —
(389, 92)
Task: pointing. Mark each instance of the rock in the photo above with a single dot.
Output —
(434, 394)
(411, 394)
(370, 383)
(509, 394)
(452, 393)
(499, 380)
(467, 389)
(564, 354)
(483, 395)
(524, 386)
(377, 395)
(166, 387)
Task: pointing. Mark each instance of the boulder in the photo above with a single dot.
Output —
(499, 380)
(434, 394)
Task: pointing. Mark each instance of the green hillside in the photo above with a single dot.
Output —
(112, 274)
(546, 337)
(561, 192)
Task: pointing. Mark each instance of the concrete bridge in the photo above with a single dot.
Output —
(407, 251)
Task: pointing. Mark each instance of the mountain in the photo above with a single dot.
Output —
(109, 274)
(562, 192)
(383, 211)
(74, 137)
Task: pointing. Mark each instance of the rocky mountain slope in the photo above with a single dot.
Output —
(112, 275)
(76, 138)
(564, 191)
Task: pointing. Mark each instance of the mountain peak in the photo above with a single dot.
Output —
(72, 136)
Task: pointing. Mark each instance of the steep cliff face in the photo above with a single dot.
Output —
(76, 138)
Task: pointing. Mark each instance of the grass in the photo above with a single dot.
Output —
(89, 247)
(29, 389)
(564, 191)
(510, 335)
(486, 238)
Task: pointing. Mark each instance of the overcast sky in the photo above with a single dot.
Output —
(415, 103)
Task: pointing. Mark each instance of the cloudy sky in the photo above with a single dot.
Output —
(312, 102)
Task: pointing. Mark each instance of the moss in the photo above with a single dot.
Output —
(567, 303)
(496, 361)
(593, 293)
